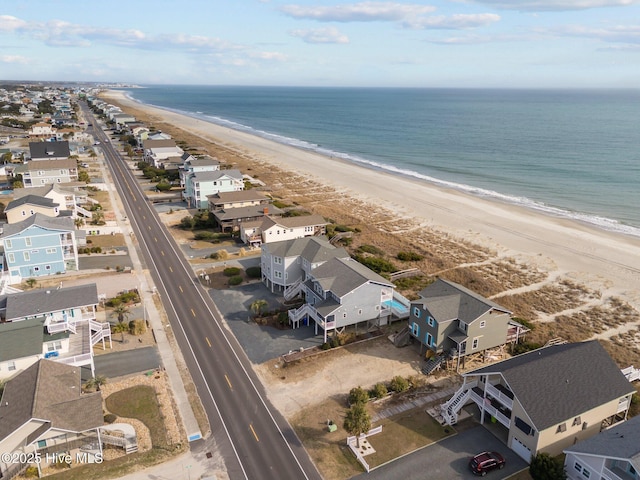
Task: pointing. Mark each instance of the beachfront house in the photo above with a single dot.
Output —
(451, 321)
(201, 184)
(275, 229)
(39, 246)
(548, 399)
(157, 150)
(285, 265)
(233, 219)
(55, 323)
(25, 206)
(44, 411)
(613, 454)
(42, 130)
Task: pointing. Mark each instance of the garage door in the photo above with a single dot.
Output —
(521, 449)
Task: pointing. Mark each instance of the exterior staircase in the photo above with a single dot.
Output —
(433, 364)
(99, 331)
(297, 314)
(83, 211)
(449, 410)
(293, 290)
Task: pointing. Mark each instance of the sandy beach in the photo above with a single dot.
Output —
(608, 263)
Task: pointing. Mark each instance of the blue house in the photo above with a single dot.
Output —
(39, 246)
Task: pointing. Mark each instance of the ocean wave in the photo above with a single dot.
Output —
(601, 222)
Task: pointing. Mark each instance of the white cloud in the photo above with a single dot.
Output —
(614, 34)
(458, 21)
(358, 12)
(14, 59)
(556, 5)
(11, 24)
(321, 35)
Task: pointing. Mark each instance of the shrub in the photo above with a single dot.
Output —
(399, 384)
(237, 280)
(187, 223)
(254, 272)
(409, 256)
(377, 264)
(137, 327)
(342, 228)
(231, 271)
(31, 472)
(358, 395)
(110, 418)
(545, 467)
(283, 318)
(325, 346)
(220, 255)
(379, 390)
(370, 249)
(204, 236)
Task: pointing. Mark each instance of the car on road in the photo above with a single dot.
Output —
(96, 143)
(484, 462)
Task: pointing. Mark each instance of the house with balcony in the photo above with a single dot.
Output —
(201, 184)
(38, 173)
(613, 454)
(58, 324)
(286, 265)
(342, 292)
(453, 322)
(233, 219)
(238, 199)
(42, 130)
(67, 198)
(275, 229)
(191, 165)
(548, 399)
(39, 246)
(43, 410)
(157, 150)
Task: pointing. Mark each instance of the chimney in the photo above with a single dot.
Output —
(266, 210)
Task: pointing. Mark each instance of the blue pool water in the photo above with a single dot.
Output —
(396, 305)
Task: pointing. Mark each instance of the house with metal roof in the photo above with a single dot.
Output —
(43, 412)
(452, 321)
(59, 324)
(613, 454)
(547, 399)
(39, 246)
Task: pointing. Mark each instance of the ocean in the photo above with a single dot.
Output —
(569, 153)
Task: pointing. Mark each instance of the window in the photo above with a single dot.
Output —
(586, 473)
(475, 342)
(11, 257)
(24, 214)
(483, 324)
(429, 340)
(415, 329)
(576, 421)
(359, 311)
(27, 241)
(561, 428)
(416, 312)
(7, 243)
(31, 212)
(36, 269)
(11, 366)
(42, 443)
(54, 346)
(462, 326)
(277, 260)
(51, 250)
(278, 274)
(431, 321)
(26, 256)
(578, 467)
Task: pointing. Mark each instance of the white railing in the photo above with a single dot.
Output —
(293, 290)
(295, 315)
(58, 327)
(352, 442)
(451, 408)
(631, 373)
(500, 396)
(76, 360)
(609, 475)
(623, 405)
(485, 404)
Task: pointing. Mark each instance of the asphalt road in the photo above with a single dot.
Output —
(254, 439)
(118, 364)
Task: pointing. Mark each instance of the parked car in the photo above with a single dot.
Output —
(485, 462)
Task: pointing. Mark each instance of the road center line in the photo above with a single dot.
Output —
(254, 433)
(229, 382)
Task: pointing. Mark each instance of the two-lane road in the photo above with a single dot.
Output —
(254, 439)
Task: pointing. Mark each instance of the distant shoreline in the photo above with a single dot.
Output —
(605, 260)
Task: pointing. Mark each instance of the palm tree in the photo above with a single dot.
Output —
(121, 311)
(79, 222)
(30, 282)
(96, 382)
(120, 328)
(258, 306)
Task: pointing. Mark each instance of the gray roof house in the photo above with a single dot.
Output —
(547, 399)
(43, 409)
(453, 321)
(613, 454)
(49, 150)
(23, 207)
(59, 324)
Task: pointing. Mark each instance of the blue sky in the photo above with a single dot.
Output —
(458, 43)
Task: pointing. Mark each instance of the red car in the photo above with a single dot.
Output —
(485, 462)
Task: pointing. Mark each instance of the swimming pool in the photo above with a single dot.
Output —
(396, 305)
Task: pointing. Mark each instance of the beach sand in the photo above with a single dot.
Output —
(416, 212)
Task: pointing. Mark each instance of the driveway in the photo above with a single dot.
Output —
(118, 364)
(449, 459)
(99, 261)
(260, 343)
